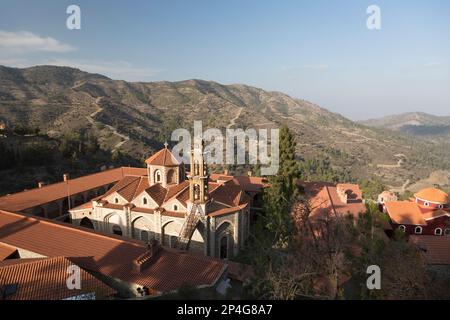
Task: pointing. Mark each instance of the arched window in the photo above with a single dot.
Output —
(117, 230)
(157, 176)
(438, 231)
(418, 230)
(116, 200)
(427, 204)
(171, 176)
(144, 200)
(441, 206)
(402, 228)
(196, 168)
(196, 192)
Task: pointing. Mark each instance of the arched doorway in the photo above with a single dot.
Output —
(223, 252)
(117, 230)
(225, 240)
(87, 223)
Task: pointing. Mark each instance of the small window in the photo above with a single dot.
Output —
(158, 176)
(116, 200)
(144, 200)
(438, 231)
(447, 232)
(402, 228)
(175, 207)
(418, 230)
(427, 204)
(441, 206)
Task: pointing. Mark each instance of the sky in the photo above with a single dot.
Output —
(321, 50)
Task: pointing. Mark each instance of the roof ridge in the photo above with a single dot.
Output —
(177, 193)
(68, 182)
(141, 180)
(75, 228)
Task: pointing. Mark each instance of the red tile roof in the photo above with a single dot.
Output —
(35, 197)
(162, 158)
(405, 212)
(435, 248)
(45, 279)
(6, 251)
(324, 199)
(433, 195)
(108, 254)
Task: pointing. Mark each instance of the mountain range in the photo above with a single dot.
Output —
(415, 123)
(137, 117)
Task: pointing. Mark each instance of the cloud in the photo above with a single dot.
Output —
(25, 41)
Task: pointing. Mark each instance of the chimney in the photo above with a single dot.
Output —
(225, 172)
(66, 177)
(249, 173)
(41, 184)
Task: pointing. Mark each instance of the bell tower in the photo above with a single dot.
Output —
(198, 177)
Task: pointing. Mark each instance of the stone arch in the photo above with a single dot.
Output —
(169, 232)
(225, 240)
(171, 176)
(112, 219)
(140, 224)
(198, 240)
(87, 223)
(117, 230)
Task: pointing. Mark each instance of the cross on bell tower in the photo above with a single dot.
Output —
(198, 177)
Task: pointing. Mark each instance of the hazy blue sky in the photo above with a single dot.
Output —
(321, 50)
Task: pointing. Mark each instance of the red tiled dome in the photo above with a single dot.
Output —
(432, 195)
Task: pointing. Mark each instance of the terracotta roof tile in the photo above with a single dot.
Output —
(405, 212)
(6, 251)
(162, 158)
(436, 248)
(45, 279)
(35, 197)
(433, 195)
(110, 255)
(324, 199)
(157, 192)
(176, 189)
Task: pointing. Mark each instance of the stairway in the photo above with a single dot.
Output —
(188, 228)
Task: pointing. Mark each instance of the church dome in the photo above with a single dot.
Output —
(432, 195)
(163, 158)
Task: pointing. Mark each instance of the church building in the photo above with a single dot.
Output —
(197, 211)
